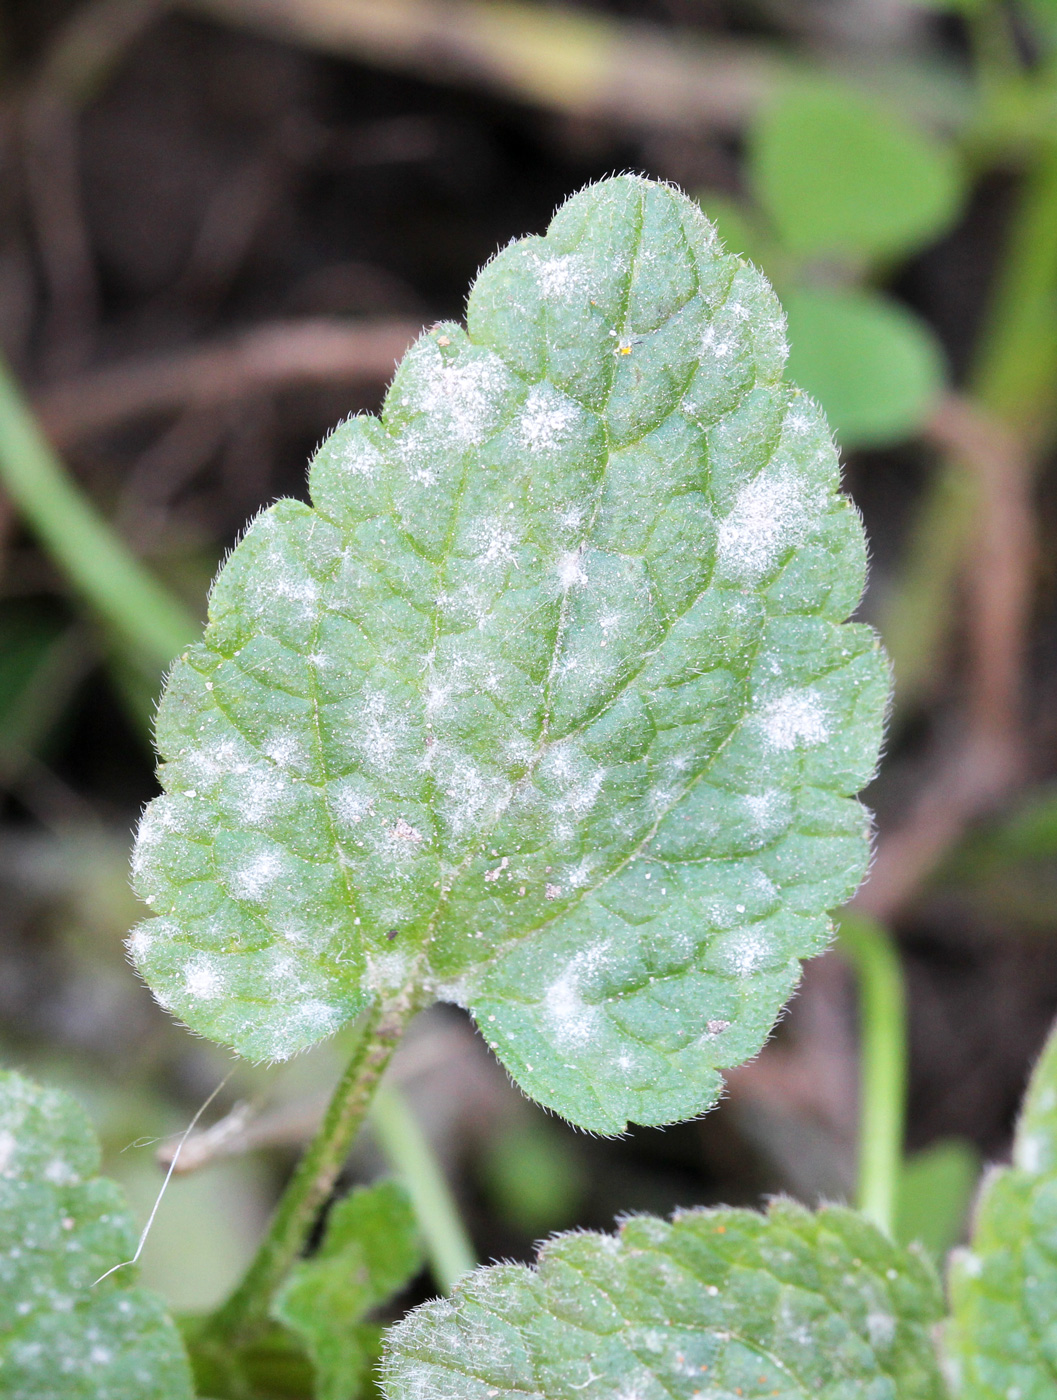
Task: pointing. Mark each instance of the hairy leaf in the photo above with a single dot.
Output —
(544, 706)
(369, 1252)
(718, 1303)
(62, 1336)
(1002, 1337)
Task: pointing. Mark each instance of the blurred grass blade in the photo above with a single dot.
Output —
(96, 562)
(412, 1158)
(883, 1072)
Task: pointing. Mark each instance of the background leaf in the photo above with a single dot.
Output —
(545, 708)
(840, 175)
(874, 367)
(723, 1302)
(1001, 1338)
(61, 1226)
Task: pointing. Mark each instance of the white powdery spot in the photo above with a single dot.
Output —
(571, 572)
(202, 981)
(139, 943)
(746, 954)
(7, 1150)
(388, 972)
(796, 718)
(260, 795)
(493, 542)
(1031, 1153)
(546, 418)
(563, 277)
(471, 796)
(60, 1173)
(771, 514)
(252, 880)
(715, 346)
(361, 458)
(350, 806)
(768, 808)
(317, 1018)
(209, 763)
(580, 876)
(570, 1019)
(303, 591)
(158, 821)
(461, 400)
(881, 1328)
(382, 733)
(285, 750)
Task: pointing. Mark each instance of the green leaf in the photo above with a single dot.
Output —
(875, 368)
(533, 1175)
(717, 1303)
(62, 1335)
(1001, 1339)
(840, 175)
(369, 1252)
(545, 707)
(738, 227)
(935, 1189)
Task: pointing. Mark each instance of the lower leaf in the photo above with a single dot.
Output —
(65, 1332)
(716, 1302)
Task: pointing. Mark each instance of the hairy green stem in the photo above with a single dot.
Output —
(1016, 379)
(247, 1310)
(883, 1065)
(407, 1147)
(141, 611)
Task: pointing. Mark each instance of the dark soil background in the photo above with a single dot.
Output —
(213, 180)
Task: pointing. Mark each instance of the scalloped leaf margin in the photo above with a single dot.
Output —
(544, 706)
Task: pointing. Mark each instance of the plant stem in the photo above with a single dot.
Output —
(407, 1147)
(246, 1311)
(883, 1065)
(125, 594)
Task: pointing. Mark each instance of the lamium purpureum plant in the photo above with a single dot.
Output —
(546, 705)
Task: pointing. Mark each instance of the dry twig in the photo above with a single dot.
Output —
(564, 59)
(987, 759)
(273, 356)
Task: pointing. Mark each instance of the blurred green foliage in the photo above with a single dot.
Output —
(842, 191)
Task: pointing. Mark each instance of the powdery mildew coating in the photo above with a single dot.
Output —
(545, 705)
(61, 1227)
(717, 1303)
(999, 1341)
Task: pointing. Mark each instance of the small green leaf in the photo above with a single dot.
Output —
(739, 229)
(1001, 1339)
(935, 1188)
(62, 1335)
(717, 1303)
(839, 175)
(874, 367)
(545, 707)
(369, 1252)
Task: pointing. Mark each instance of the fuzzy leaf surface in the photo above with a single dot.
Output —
(369, 1252)
(1002, 1337)
(61, 1227)
(718, 1303)
(545, 705)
